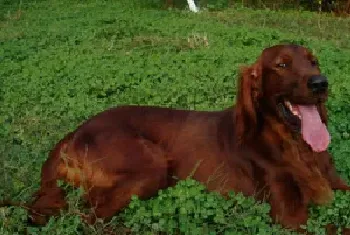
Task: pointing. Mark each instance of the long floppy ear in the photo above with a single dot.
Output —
(249, 90)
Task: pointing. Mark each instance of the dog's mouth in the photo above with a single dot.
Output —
(291, 115)
(306, 119)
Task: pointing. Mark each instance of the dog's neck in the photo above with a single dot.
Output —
(300, 159)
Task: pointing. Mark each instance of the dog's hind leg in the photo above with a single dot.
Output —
(142, 170)
(109, 202)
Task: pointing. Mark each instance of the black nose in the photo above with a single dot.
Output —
(317, 83)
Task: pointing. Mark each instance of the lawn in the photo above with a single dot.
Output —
(63, 61)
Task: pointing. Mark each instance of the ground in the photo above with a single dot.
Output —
(63, 61)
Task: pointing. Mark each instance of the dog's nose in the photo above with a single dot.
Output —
(317, 83)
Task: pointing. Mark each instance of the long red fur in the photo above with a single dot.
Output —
(247, 148)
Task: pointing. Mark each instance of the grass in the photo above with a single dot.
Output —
(63, 61)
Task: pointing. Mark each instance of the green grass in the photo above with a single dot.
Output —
(63, 61)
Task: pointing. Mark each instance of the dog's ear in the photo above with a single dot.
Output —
(249, 90)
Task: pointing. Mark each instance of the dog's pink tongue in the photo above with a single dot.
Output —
(314, 132)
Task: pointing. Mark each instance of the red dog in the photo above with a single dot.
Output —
(272, 144)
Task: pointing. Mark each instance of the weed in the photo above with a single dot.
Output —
(64, 61)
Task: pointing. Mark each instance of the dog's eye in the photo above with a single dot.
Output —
(282, 65)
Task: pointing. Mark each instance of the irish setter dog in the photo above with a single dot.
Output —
(272, 144)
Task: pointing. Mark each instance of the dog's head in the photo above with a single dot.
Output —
(286, 83)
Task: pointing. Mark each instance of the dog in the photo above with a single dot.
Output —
(272, 144)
